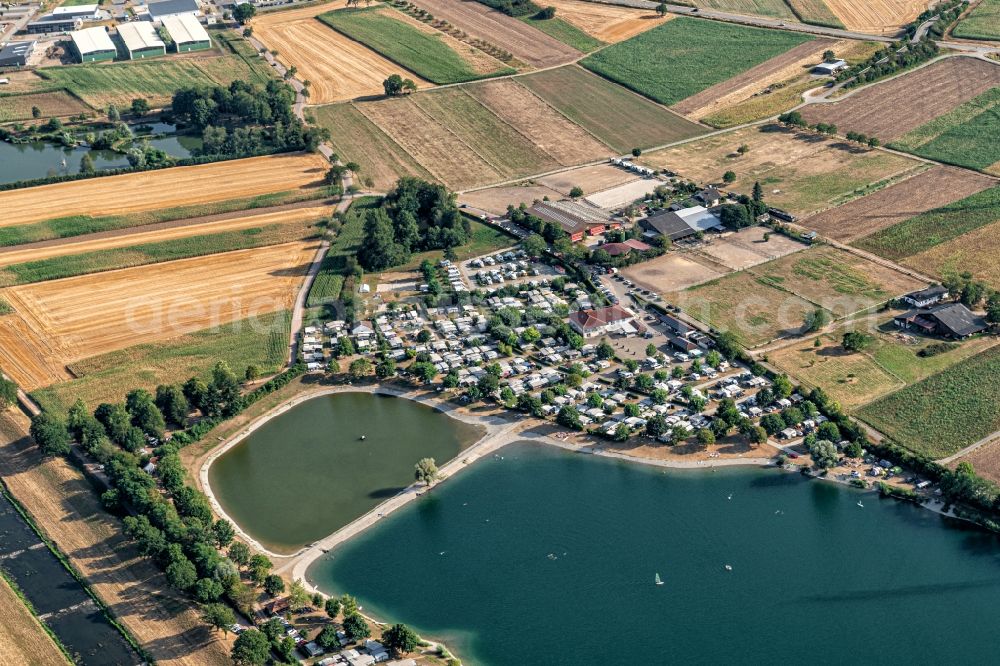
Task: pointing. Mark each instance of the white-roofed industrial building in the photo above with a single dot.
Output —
(187, 33)
(93, 44)
(141, 40)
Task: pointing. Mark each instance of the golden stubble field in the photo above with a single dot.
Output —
(22, 638)
(162, 189)
(876, 16)
(61, 321)
(337, 67)
(68, 510)
(607, 23)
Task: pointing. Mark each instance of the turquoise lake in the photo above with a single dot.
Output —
(539, 556)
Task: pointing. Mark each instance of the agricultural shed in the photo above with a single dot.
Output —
(51, 23)
(16, 54)
(167, 8)
(93, 44)
(141, 40)
(77, 11)
(187, 33)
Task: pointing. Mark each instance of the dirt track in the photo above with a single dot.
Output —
(337, 67)
(164, 188)
(66, 507)
(891, 109)
(61, 321)
(879, 210)
(755, 79)
(523, 41)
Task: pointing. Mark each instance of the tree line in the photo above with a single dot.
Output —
(414, 216)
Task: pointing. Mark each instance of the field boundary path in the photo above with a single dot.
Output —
(993, 436)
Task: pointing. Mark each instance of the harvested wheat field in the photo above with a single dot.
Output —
(337, 67)
(542, 125)
(607, 23)
(437, 149)
(169, 231)
(75, 318)
(937, 187)
(876, 16)
(799, 171)
(67, 509)
(985, 460)
(163, 188)
(891, 109)
(524, 42)
(23, 639)
(790, 63)
(976, 251)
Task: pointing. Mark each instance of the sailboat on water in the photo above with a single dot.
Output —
(658, 580)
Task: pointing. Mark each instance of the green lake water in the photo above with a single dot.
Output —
(306, 473)
(539, 556)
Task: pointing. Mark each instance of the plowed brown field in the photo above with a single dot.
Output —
(57, 322)
(891, 109)
(523, 41)
(68, 510)
(337, 67)
(884, 208)
(545, 127)
(755, 79)
(164, 188)
(607, 23)
(876, 16)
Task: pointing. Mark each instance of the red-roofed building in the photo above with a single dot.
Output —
(631, 245)
(602, 320)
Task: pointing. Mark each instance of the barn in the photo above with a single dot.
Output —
(93, 44)
(141, 40)
(187, 33)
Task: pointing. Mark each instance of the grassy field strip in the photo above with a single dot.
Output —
(772, 8)
(983, 22)
(261, 341)
(815, 12)
(682, 57)
(945, 412)
(357, 139)
(330, 280)
(52, 103)
(86, 244)
(421, 52)
(69, 265)
(934, 227)
(967, 136)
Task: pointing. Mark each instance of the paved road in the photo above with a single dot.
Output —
(992, 437)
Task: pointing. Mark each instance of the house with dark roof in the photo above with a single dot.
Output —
(926, 297)
(599, 321)
(950, 320)
(683, 223)
(709, 197)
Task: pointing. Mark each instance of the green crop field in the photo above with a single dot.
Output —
(815, 12)
(424, 53)
(152, 253)
(508, 151)
(945, 412)
(357, 139)
(154, 80)
(613, 114)
(935, 227)
(682, 57)
(329, 280)
(79, 225)
(565, 33)
(982, 23)
(262, 341)
(966, 136)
